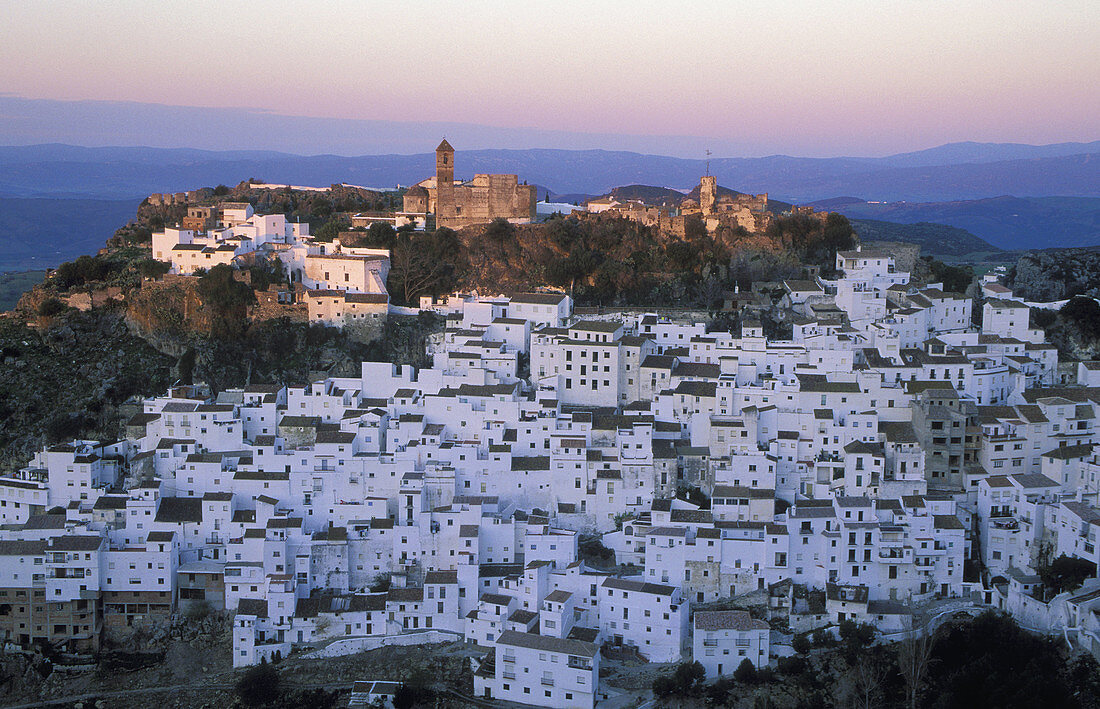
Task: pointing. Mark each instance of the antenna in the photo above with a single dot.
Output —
(708, 162)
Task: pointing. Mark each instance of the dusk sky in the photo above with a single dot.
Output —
(802, 78)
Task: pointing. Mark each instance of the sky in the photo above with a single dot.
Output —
(862, 77)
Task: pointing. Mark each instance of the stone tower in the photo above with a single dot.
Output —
(444, 180)
(708, 193)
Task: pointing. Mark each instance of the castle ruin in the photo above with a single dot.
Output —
(478, 201)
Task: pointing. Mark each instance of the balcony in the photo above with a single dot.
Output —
(710, 643)
(579, 663)
(547, 681)
(899, 553)
(509, 675)
(510, 658)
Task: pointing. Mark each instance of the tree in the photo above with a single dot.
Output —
(856, 636)
(693, 495)
(991, 662)
(500, 232)
(914, 658)
(424, 264)
(225, 299)
(1084, 313)
(151, 268)
(414, 693)
(801, 644)
(259, 685)
(330, 230)
(1066, 573)
(745, 672)
(861, 685)
(1084, 681)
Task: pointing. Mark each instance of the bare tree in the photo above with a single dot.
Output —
(915, 654)
(861, 686)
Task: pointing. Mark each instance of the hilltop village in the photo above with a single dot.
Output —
(561, 484)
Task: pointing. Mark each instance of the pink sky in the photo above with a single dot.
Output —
(810, 78)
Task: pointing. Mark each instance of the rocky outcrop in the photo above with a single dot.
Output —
(69, 379)
(1056, 274)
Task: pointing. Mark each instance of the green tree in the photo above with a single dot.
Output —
(151, 268)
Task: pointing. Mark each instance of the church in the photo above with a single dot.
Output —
(477, 201)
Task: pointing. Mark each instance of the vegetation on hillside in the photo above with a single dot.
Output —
(606, 260)
(1074, 329)
(985, 662)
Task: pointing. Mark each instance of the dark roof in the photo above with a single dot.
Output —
(549, 644)
(728, 620)
(642, 586)
(179, 509)
(75, 543)
(21, 547)
(252, 606)
(414, 594)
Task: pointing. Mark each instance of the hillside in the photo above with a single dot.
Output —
(934, 239)
(1006, 222)
(1056, 274)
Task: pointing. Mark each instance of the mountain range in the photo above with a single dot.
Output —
(1006, 222)
(983, 171)
(58, 201)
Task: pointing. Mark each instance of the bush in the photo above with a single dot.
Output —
(198, 611)
(413, 694)
(793, 665)
(801, 644)
(687, 679)
(856, 635)
(151, 268)
(259, 685)
(51, 307)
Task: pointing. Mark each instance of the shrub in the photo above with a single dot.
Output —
(259, 685)
(801, 644)
(745, 672)
(793, 665)
(51, 307)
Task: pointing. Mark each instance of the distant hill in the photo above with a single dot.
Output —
(971, 152)
(934, 239)
(657, 196)
(1006, 222)
(116, 173)
(668, 197)
(42, 233)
